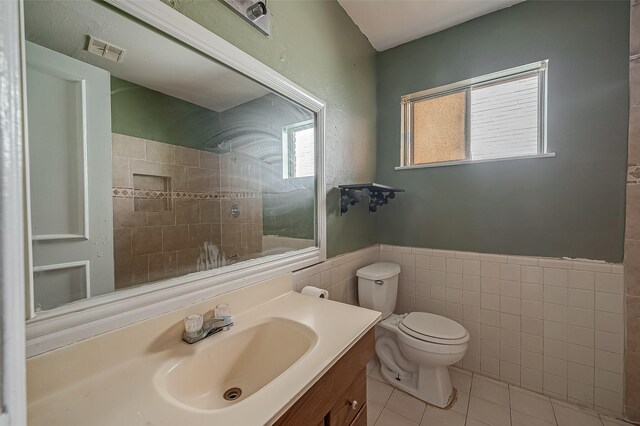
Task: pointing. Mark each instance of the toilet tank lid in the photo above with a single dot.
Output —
(379, 271)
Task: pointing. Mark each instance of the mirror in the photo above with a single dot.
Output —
(149, 160)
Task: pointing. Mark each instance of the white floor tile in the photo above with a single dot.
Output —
(573, 406)
(435, 416)
(474, 422)
(406, 405)
(378, 392)
(490, 390)
(372, 363)
(610, 421)
(461, 380)
(532, 404)
(389, 418)
(567, 416)
(376, 374)
(521, 419)
(488, 412)
(486, 402)
(462, 403)
(373, 412)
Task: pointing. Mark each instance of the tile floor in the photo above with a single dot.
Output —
(481, 402)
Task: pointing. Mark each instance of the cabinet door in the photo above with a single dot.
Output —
(328, 399)
(361, 418)
(349, 403)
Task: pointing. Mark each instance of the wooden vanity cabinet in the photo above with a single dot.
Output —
(339, 398)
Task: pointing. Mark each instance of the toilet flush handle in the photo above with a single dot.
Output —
(379, 282)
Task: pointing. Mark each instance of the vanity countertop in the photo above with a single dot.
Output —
(126, 392)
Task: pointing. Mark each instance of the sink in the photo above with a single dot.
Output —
(234, 364)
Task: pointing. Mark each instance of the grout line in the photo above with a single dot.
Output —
(553, 408)
(509, 398)
(466, 413)
(389, 397)
(377, 417)
(426, 404)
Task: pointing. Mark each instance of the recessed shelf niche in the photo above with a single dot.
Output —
(152, 193)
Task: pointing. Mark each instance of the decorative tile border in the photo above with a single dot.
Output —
(633, 173)
(150, 194)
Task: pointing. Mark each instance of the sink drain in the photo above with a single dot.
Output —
(232, 394)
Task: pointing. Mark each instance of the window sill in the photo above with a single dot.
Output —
(460, 162)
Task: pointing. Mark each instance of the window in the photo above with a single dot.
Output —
(298, 148)
(496, 116)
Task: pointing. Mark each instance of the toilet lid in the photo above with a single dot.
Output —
(433, 327)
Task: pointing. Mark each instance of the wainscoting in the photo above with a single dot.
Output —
(552, 326)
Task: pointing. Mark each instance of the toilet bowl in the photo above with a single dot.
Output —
(419, 366)
(416, 348)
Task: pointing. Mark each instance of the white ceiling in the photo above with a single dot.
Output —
(389, 23)
(151, 60)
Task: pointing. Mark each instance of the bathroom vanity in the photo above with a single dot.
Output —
(339, 397)
(296, 359)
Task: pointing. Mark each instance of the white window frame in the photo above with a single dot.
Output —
(407, 102)
(286, 148)
(87, 318)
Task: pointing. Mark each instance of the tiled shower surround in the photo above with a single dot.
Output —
(552, 326)
(171, 206)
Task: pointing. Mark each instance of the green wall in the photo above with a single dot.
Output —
(571, 205)
(145, 113)
(316, 45)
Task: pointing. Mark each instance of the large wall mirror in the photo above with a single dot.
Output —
(149, 160)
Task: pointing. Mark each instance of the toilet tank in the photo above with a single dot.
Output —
(378, 287)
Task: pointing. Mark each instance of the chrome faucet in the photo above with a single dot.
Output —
(195, 329)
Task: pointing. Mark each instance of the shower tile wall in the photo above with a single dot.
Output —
(241, 183)
(169, 201)
(549, 325)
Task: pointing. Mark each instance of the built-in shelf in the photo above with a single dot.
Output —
(379, 195)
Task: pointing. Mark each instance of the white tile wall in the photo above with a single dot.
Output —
(553, 326)
(338, 274)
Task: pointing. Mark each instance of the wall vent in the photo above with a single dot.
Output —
(106, 50)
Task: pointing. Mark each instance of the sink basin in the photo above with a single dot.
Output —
(238, 364)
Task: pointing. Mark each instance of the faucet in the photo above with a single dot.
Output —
(195, 329)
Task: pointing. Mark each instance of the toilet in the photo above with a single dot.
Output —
(415, 348)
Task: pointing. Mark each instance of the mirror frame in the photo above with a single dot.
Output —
(87, 318)
(13, 394)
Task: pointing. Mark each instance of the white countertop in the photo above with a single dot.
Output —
(124, 393)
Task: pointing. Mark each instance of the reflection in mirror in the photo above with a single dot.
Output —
(150, 161)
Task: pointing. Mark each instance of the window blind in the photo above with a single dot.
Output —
(504, 119)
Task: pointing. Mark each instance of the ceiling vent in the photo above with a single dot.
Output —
(106, 50)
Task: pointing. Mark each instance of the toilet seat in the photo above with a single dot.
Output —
(433, 329)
